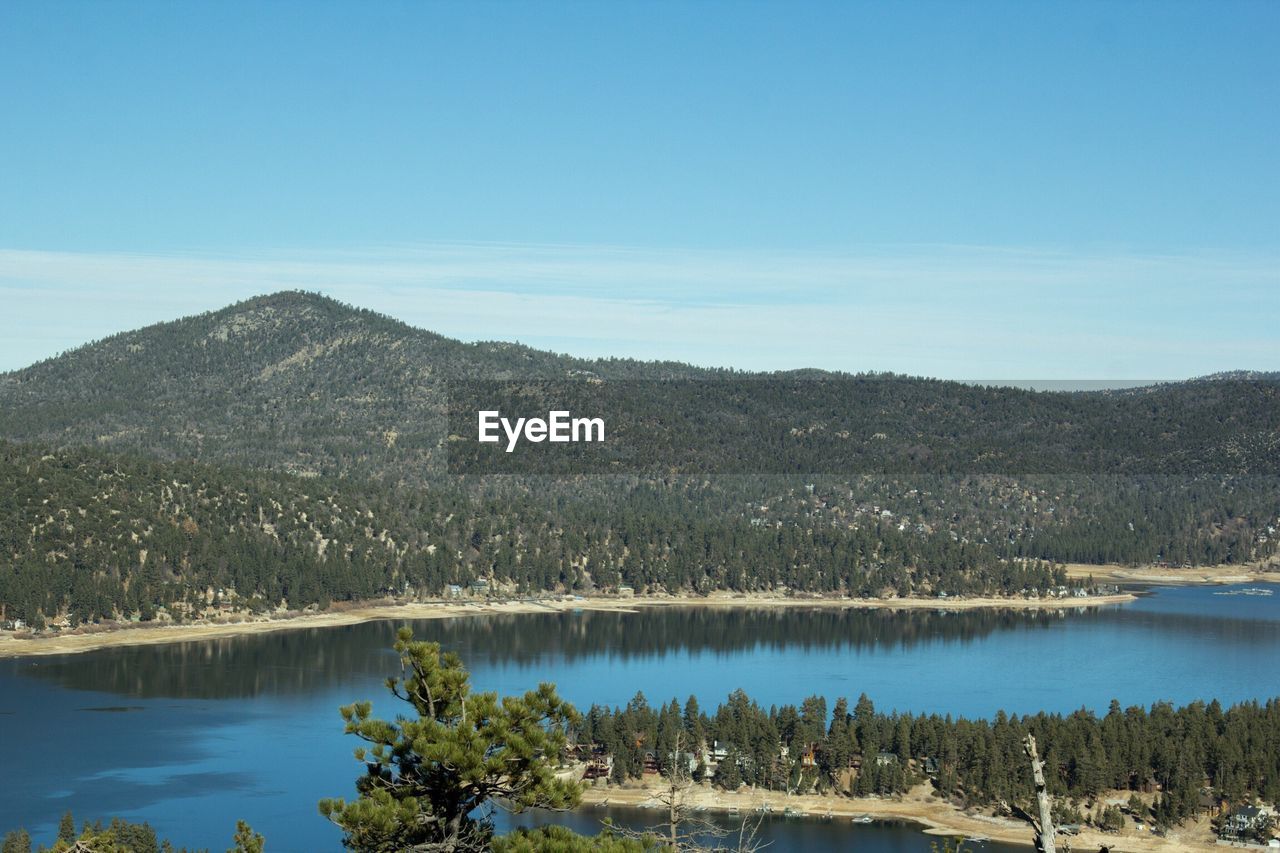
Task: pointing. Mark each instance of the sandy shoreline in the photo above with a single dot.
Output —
(918, 806)
(68, 643)
(71, 643)
(1160, 575)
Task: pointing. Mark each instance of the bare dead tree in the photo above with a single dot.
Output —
(749, 839)
(688, 830)
(1045, 830)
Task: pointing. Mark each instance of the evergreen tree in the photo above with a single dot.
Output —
(17, 841)
(67, 828)
(427, 775)
(246, 840)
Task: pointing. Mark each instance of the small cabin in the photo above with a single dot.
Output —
(1208, 803)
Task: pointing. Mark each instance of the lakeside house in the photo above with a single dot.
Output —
(599, 765)
(713, 756)
(1243, 821)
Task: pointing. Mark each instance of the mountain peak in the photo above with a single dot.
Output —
(297, 304)
(293, 300)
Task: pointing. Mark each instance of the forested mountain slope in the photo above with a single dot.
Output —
(299, 383)
(293, 382)
(293, 449)
(102, 536)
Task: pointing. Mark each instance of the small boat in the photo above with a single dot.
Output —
(862, 818)
(977, 839)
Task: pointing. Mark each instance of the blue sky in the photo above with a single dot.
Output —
(957, 189)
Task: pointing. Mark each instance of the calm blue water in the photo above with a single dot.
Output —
(193, 736)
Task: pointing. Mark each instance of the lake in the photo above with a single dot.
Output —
(192, 736)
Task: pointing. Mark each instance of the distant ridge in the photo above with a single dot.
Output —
(300, 383)
(1241, 376)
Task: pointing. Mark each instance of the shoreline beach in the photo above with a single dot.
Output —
(99, 637)
(918, 806)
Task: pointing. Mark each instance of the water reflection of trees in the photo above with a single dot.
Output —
(653, 633)
(313, 660)
(278, 663)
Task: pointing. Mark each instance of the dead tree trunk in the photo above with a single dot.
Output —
(1044, 833)
(675, 807)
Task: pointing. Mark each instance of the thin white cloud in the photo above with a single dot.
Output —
(938, 310)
